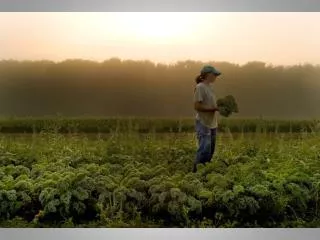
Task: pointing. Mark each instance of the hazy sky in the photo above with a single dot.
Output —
(277, 38)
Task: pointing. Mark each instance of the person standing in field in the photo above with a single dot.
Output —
(206, 115)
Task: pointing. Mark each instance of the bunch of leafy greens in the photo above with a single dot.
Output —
(227, 106)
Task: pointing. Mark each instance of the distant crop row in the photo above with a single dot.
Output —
(147, 125)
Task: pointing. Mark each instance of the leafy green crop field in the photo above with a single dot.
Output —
(149, 125)
(129, 179)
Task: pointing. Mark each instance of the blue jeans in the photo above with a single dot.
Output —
(206, 143)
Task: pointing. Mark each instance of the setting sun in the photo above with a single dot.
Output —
(162, 37)
(163, 28)
(146, 28)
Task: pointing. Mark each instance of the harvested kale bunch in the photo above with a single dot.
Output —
(227, 106)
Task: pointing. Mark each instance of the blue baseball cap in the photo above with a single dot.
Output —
(210, 69)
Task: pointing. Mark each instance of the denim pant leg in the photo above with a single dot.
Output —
(206, 141)
(213, 141)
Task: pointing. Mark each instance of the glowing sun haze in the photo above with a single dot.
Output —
(277, 38)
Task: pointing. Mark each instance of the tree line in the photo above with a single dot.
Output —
(145, 89)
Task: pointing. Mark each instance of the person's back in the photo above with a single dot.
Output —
(205, 95)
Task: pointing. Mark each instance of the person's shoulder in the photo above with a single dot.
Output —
(199, 85)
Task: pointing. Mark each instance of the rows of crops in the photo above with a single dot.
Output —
(134, 180)
(145, 125)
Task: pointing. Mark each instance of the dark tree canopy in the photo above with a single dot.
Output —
(142, 88)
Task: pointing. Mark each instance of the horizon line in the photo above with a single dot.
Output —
(170, 63)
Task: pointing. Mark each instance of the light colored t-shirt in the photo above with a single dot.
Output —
(204, 94)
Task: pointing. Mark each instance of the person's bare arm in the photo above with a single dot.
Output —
(199, 106)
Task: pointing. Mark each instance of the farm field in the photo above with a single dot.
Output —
(146, 125)
(124, 177)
